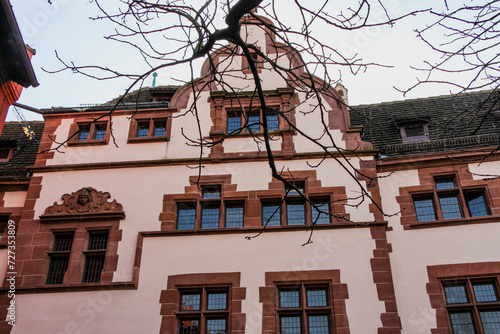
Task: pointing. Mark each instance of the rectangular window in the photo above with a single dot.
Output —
(304, 309)
(234, 215)
(147, 129)
(450, 201)
(95, 256)
(210, 216)
(203, 310)
(186, 216)
(160, 128)
(271, 214)
(295, 212)
(214, 212)
(89, 133)
(142, 129)
(59, 257)
(473, 305)
(233, 121)
(320, 211)
(253, 121)
(272, 121)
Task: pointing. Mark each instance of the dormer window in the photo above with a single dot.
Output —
(89, 133)
(414, 131)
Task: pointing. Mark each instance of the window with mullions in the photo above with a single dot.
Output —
(295, 209)
(59, 257)
(211, 207)
(95, 256)
(304, 309)
(473, 306)
(89, 132)
(148, 129)
(450, 201)
(204, 310)
(251, 121)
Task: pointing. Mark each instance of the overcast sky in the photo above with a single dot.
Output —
(65, 26)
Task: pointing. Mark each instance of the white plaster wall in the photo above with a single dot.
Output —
(414, 250)
(14, 199)
(141, 190)
(484, 170)
(139, 311)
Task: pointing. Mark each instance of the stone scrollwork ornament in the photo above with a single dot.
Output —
(86, 201)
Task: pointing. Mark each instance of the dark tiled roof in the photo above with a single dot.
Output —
(26, 149)
(144, 94)
(455, 122)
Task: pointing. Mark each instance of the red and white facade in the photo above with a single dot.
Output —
(169, 240)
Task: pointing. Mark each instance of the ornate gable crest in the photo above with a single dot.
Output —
(84, 203)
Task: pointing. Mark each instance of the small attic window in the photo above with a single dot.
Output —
(417, 131)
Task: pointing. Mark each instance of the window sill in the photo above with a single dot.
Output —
(248, 134)
(257, 229)
(134, 140)
(51, 288)
(454, 222)
(87, 143)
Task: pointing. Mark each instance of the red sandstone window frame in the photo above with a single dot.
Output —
(199, 204)
(176, 284)
(459, 273)
(79, 125)
(292, 196)
(151, 118)
(458, 190)
(245, 124)
(337, 293)
(79, 251)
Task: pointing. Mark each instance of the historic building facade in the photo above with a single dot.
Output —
(131, 227)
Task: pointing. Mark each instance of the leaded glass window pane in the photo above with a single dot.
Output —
(445, 183)
(186, 216)
(316, 297)
(462, 323)
(271, 214)
(318, 324)
(159, 128)
(216, 326)
(191, 326)
(320, 212)
(450, 206)
(485, 292)
(217, 301)
(295, 213)
(211, 192)
(84, 133)
(272, 121)
(254, 121)
(424, 208)
(456, 294)
(234, 215)
(290, 325)
(190, 301)
(290, 191)
(233, 121)
(100, 131)
(491, 321)
(210, 216)
(289, 298)
(476, 203)
(142, 129)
